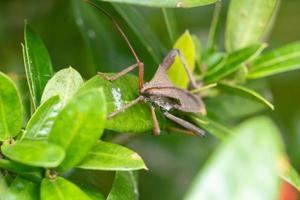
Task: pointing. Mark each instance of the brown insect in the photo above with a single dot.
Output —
(160, 92)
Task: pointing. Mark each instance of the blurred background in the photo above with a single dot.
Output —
(173, 159)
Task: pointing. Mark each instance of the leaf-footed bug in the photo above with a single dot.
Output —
(159, 92)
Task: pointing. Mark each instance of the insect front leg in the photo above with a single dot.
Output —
(140, 66)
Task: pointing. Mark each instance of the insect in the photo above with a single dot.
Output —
(159, 92)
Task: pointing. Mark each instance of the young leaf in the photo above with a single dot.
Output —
(40, 124)
(233, 62)
(280, 60)
(34, 153)
(37, 62)
(61, 189)
(125, 186)
(224, 176)
(169, 3)
(247, 22)
(177, 73)
(3, 186)
(22, 189)
(109, 156)
(64, 83)
(118, 93)
(245, 92)
(79, 125)
(11, 111)
(31, 173)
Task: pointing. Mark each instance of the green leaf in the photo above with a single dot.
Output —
(244, 167)
(147, 35)
(214, 31)
(41, 122)
(22, 189)
(34, 153)
(64, 83)
(280, 60)
(245, 92)
(118, 93)
(31, 173)
(3, 186)
(37, 63)
(79, 125)
(11, 111)
(171, 24)
(125, 186)
(247, 22)
(212, 126)
(233, 62)
(61, 189)
(109, 156)
(169, 3)
(93, 193)
(177, 73)
(290, 175)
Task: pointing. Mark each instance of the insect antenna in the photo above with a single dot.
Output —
(118, 27)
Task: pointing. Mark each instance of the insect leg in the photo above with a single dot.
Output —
(156, 129)
(133, 102)
(185, 124)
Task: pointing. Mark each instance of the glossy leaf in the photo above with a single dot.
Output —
(177, 73)
(280, 60)
(109, 156)
(237, 170)
(11, 111)
(169, 3)
(117, 94)
(34, 153)
(64, 84)
(22, 189)
(233, 62)
(247, 22)
(40, 124)
(245, 92)
(37, 63)
(125, 186)
(79, 125)
(147, 35)
(61, 189)
(31, 173)
(93, 193)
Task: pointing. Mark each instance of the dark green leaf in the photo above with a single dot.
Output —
(32, 173)
(11, 111)
(125, 186)
(247, 22)
(280, 60)
(233, 62)
(177, 73)
(212, 127)
(79, 125)
(244, 163)
(147, 35)
(37, 62)
(64, 84)
(22, 189)
(34, 153)
(40, 124)
(170, 23)
(118, 93)
(245, 92)
(61, 189)
(109, 156)
(93, 193)
(169, 3)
